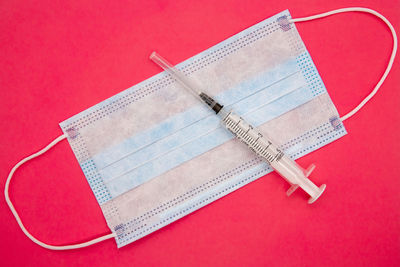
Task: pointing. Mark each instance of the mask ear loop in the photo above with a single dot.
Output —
(392, 56)
(14, 212)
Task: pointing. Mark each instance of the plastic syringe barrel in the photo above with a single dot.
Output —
(263, 146)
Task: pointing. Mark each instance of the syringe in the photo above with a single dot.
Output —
(259, 143)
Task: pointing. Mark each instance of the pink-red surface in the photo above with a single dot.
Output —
(59, 58)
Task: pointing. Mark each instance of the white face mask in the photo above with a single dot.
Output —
(151, 161)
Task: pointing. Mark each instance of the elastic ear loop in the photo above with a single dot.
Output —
(14, 212)
(62, 137)
(392, 56)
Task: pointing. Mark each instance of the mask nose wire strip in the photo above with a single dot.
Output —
(392, 56)
(14, 212)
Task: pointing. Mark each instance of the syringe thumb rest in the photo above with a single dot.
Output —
(308, 186)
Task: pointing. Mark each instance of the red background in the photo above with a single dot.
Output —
(58, 58)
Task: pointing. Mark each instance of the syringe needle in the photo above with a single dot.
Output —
(181, 78)
(178, 75)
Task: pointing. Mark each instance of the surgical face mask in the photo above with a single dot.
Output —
(150, 161)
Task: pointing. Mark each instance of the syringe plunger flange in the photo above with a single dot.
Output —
(281, 163)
